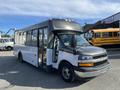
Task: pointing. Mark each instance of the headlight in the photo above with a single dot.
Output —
(85, 57)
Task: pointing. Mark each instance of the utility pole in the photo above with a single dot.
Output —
(11, 29)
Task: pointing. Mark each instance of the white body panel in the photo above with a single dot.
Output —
(73, 59)
(30, 54)
(49, 57)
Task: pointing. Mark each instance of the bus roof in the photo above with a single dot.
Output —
(55, 24)
(107, 30)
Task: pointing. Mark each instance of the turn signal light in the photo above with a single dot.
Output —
(86, 64)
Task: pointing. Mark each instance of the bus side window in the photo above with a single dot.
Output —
(110, 34)
(16, 37)
(28, 38)
(24, 38)
(105, 34)
(97, 35)
(34, 38)
(115, 34)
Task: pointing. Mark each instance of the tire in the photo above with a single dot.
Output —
(67, 72)
(9, 48)
(20, 58)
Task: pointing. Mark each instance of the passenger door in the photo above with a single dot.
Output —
(43, 35)
(40, 45)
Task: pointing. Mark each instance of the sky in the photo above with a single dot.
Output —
(21, 13)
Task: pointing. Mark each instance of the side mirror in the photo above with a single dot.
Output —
(88, 35)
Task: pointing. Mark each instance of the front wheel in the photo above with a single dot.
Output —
(67, 72)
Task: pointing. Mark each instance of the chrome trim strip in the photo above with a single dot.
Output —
(93, 60)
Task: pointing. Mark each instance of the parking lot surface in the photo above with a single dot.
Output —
(23, 76)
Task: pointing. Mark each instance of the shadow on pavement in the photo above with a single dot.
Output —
(113, 51)
(24, 74)
(111, 47)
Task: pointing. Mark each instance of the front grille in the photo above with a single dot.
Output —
(99, 56)
(100, 63)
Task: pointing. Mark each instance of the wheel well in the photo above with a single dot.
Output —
(64, 62)
(9, 46)
(19, 53)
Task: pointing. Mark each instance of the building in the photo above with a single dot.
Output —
(112, 19)
(109, 22)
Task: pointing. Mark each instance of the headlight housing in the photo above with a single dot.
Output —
(85, 57)
(86, 64)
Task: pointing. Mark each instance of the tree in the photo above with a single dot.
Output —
(5, 35)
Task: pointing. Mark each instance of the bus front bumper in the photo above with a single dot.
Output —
(92, 72)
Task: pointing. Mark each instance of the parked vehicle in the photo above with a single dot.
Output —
(6, 43)
(60, 44)
(109, 36)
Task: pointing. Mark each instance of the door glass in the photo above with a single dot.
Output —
(34, 38)
(115, 34)
(67, 39)
(45, 44)
(40, 44)
(43, 36)
(55, 49)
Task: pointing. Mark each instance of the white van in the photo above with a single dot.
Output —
(6, 43)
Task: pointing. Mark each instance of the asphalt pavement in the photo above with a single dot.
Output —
(23, 76)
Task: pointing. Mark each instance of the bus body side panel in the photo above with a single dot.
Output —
(105, 41)
(29, 54)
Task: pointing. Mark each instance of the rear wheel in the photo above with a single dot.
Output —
(67, 72)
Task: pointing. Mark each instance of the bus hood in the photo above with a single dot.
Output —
(90, 50)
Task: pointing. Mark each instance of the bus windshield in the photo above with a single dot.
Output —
(81, 41)
(74, 40)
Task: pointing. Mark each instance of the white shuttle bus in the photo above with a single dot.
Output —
(60, 44)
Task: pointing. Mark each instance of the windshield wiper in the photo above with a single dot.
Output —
(84, 44)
